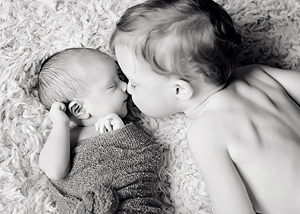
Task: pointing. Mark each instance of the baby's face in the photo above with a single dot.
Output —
(152, 93)
(106, 93)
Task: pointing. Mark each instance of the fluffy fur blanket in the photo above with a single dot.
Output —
(31, 30)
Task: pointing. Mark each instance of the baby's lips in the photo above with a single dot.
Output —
(126, 99)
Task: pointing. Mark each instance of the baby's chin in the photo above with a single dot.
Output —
(123, 112)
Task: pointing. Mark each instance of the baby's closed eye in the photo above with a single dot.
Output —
(112, 87)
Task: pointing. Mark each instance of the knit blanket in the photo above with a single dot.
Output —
(115, 172)
(31, 30)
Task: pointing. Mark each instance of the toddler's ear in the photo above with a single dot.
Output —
(77, 109)
(183, 89)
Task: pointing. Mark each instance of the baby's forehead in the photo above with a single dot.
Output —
(90, 57)
(100, 68)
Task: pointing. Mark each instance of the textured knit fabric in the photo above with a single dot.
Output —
(115, 172)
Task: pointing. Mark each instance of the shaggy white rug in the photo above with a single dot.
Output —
(31, 30)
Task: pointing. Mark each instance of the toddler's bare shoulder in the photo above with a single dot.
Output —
(258, 73)
(218, 127)
(250, 69)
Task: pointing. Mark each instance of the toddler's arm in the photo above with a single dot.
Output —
(289, 79)
(225, 187)
(54, 158)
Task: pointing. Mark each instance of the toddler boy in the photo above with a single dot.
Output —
(181, 56)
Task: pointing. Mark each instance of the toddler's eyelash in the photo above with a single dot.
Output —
(132, 86)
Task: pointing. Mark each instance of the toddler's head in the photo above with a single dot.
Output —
(85, 80)
(182, 38)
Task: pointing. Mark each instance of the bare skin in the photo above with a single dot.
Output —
(244, 136)
(100, 110)
(63, 139)
(105, 124)
(246, 141)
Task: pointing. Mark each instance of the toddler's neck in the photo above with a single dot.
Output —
(196, 110)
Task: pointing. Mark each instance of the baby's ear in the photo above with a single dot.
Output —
(78, 110)
(183, 90)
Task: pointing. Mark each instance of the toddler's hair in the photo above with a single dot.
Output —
(182, 38)
(62, 76)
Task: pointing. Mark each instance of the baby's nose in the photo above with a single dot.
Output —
(123, 86)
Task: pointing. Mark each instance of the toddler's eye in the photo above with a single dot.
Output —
(132, 86)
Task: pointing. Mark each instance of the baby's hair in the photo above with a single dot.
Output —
(62, 76)
(182, 38)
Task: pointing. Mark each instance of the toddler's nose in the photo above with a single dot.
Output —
(128, 89)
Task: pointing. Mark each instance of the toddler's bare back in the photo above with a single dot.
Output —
(263, 129)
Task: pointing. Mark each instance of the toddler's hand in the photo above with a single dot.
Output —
(108, 123)
(57, 113)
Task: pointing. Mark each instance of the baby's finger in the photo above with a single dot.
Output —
(55, 105)
(98, 124)
(108, 125)
(102, 126)
(62, 107)
(58, 106)
(117, 123)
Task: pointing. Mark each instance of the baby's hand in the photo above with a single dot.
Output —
(108, 123)
(57, 113)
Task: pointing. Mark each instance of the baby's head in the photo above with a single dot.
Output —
(183, 38)
(85, 80)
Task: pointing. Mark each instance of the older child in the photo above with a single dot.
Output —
(112, 172)
(181, 56)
